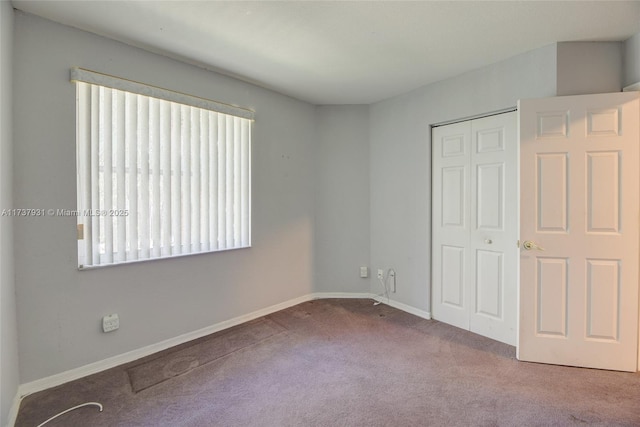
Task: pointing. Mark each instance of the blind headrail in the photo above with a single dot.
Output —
(93, 77)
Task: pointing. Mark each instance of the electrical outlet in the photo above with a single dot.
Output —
(380, 274)
(364, 272)
(110, 323)
(392, 277)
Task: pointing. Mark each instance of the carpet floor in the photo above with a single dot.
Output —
(341, 362)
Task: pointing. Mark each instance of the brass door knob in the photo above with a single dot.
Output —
(529, 245)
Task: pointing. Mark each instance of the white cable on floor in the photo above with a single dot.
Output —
(71, 409)
(383, 282)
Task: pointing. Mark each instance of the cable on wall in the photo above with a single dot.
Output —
(385, 290)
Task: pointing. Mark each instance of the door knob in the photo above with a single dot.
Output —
(529, 245)
(488, 241)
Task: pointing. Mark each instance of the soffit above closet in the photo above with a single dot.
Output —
(343, 52)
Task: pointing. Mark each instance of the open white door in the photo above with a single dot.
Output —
(579, 225)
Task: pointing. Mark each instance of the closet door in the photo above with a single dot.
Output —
(494, 227)
(474, 226)
(450, 223)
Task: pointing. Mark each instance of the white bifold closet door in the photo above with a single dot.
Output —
(475, 226)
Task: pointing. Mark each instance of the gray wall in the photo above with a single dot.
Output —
(334, 187)
(401, 143)
(632, 60)
(59, 307)
(342, 198)
(8, 332)
(589, 67)
(400, 167)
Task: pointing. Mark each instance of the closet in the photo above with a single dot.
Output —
(475, 225)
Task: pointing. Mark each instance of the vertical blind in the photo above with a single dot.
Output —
(158, 178)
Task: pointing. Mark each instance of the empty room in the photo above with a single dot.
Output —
(319, 213)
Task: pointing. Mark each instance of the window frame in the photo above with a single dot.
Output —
(239, 141)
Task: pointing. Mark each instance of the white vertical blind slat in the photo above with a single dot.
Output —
(203, 158)
(182, 174)
(154, 176)
(95, 175)
(132, 175)
(245, 196)
(194, 158)
(119, 194)
(165, 155)
(222, 182)
(106, 133)
(176, 199)
(228, 232)
(143, 182)
(213, 181)
(237, 188)
(83, 159)
(185, 137)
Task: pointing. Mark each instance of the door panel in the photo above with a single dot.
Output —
(453, 276)
(450, 224)
(551, 297)
(495, 227)
(603, 192)
(454, 145)
(552, 182)
(580, 208)
(490, 206)
(453, 196)
(603, 292)
(489, 280)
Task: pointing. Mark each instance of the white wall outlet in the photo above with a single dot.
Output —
(110, 322)
(364, 272)
(380, 274)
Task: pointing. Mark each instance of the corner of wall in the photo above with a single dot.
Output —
(342, 214)
(9, 379)
(589, 67)
(631, 60)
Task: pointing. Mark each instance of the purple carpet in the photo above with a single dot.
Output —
(341, 362)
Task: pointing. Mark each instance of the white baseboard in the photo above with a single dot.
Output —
(395, 304)
(111, 362)
(404, 307)
(13, 412)
(327, 295)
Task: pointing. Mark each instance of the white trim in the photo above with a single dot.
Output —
(406, 308)
(13, 411)
(328, 295)
(392, 303)
(92, 77)
(476, 116)
(111, 362)
(130, 356)
(631, 88)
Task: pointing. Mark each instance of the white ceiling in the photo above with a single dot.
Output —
(332, 52)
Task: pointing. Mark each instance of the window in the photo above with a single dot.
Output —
(160, 174)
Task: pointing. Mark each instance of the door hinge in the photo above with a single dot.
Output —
(80, 231)
(518, 243)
